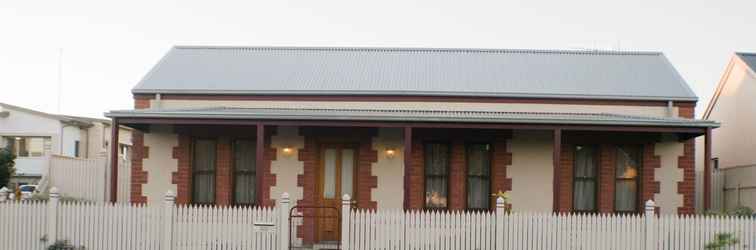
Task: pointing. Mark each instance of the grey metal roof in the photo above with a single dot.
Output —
(416, 71)
(749, 59)
(412, 116)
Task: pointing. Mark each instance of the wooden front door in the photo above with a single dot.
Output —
(338, 165)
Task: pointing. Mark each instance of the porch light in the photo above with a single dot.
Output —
(390, 153)
(287, 151)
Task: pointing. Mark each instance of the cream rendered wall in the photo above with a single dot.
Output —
(160, 165)
(668, 175)
(70, 135)
(389, 171)
(531, 171)
(95, 145)
(287, 167)
(513, 107)
(736, 111)
(19, 123)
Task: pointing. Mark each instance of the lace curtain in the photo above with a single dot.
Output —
(436, 169)
(203, 168)
(478, 176)
(245, 157)
(626, 182)
(584, 198)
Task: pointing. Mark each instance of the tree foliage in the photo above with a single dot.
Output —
(7, 164)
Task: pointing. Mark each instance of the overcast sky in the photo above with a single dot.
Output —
(108, 47)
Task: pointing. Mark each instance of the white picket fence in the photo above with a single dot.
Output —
(498, 230)
(88, 179)
(167, 227)
(119, 226)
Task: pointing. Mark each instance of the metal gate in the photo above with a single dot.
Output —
(316, 217)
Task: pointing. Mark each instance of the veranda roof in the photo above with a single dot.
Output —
(441, 116)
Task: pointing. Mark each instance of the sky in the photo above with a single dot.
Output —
(101, 49)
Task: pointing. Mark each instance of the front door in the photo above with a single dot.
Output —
(336, 178)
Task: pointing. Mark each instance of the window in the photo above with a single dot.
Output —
(436, 175)
(629, 158)
(28, 146)
(203, 171)
(76, 149)
(584, 182)
(245, 157)
(478, 176)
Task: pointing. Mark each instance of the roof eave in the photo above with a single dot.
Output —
(695, 124)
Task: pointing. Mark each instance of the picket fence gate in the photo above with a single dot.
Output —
(23, 225)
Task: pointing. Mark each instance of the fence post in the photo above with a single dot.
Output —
(346, 206)
(283, 220)
(52, 216)
(3, 194)
(169, 201)
(500, 210)
(650, 217)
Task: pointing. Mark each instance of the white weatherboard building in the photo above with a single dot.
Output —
(33, 136)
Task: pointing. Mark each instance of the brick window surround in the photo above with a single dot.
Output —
(606, 170)
(224, 136)
(457, 185)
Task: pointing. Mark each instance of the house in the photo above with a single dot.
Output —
(33, 136)
(410, 128)
(732, 144)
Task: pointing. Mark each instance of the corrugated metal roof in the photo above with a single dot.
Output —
(749, 59)
(414, 71)
(411, 116)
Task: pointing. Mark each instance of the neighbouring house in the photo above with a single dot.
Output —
(732, 145)
(33, 136)
(411, 128)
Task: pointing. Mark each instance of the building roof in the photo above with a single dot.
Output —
(73, 120)
(749, 59)
(577, 74)
(471, 116)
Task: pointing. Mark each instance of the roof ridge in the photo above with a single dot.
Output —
(425, 49)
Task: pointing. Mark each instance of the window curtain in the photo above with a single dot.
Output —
(584, 194)
(436, 168)
(626, 173)
(204, 171)
(478, 176)
(245, 160)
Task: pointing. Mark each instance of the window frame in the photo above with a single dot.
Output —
(638, 182)
(446, 174)
(255, 202)
(10, 141)
(195, 172)
(595, 179)
(489, 175)
(77, 150)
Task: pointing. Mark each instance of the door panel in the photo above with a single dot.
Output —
(336, 178)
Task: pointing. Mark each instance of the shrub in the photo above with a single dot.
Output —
(7, 164)
(64, 245)
(722, 241)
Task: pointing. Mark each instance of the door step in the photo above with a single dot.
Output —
(326, 245)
